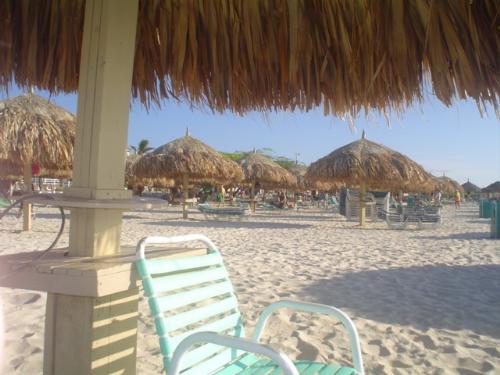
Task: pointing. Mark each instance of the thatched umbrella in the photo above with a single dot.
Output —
(492, 188)
(187, 159)
(259, 169)
(448, 185)
(34, 130)
(471, 188)
(300, 171)
(367, 164)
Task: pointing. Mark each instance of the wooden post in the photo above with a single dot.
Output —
(86, 335)
(185, 196)
(28, 189)
(252, 196)
(362, 207)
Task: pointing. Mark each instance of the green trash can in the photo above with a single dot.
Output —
(485, 209)
(495, 219)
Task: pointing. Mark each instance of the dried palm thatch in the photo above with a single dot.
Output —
(448, 185)
(132, 181)
(34, 130)
(469, 187)
(299, 171)
(261, 169)
(367, 163)
(492, 188)
(189, 158)
(273, 54)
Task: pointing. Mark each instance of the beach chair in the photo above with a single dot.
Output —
(4, 202)
(394, 220)
(211, 212)
(199, 324)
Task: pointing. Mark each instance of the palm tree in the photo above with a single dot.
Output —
(142, 148)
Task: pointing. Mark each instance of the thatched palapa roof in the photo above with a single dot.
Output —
(448, 185)
(270, 54)
(188, 157)
(374, 165)
(34, 130)
(299, 171)
(261, 169)
(469, 187)
(492, 188)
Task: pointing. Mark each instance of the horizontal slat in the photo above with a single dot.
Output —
(236, 367)
(192, 316)
(177, 300)
(200, 354)
(211, 364)
(222, 325)
(158, 266)
(182, 280)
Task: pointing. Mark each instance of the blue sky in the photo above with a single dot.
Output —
(456, 140)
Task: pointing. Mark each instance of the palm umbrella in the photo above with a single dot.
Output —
(492, 188)
(260, 169)
(187, 159)
(469, 187)
(448, 185)
(300, 171)
(367, 164)
(34, 130)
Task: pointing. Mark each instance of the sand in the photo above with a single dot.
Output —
(424, 302)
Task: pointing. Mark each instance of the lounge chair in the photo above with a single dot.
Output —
(393, 219)
(227, 212)
(199, 324)
(4, 202)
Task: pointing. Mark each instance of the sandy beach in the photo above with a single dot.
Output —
(424, 302)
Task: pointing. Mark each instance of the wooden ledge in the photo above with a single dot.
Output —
(117, 204)
(78, 276)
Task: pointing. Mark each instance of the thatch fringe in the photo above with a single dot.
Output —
(346, 56)
(34, 130)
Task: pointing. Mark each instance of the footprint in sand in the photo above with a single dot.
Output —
(492, 351)
(307, 351)
(399, 364)
(427, 341)
(473, 367)
(383, 351)
(24, 298)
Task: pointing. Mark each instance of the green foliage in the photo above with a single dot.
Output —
(235, 156)
(142, 148)
(283, 161)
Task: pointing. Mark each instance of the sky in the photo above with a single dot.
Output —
(456, 141)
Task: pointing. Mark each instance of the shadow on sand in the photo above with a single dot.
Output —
(458, 236)
(227, 224)
(442, 297)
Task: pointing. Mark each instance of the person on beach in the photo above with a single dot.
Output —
(457, 199)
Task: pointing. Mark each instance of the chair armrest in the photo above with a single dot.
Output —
(239, 343)
(317, 309)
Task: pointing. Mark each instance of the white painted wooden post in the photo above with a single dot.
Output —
(86, 335)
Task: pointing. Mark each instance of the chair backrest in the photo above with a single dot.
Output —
(187, 295)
